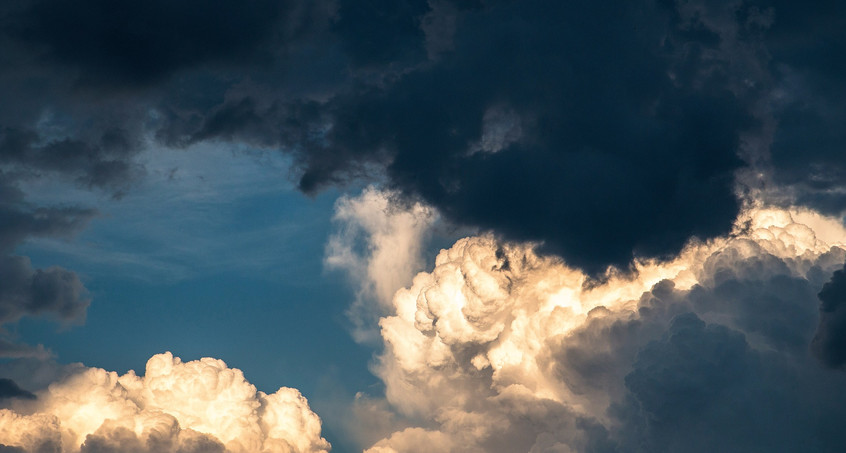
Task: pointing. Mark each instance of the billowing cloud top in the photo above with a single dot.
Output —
(197, 406)
(498, 349)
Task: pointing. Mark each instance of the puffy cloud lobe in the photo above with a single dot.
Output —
(499, 349)
(29, 433)
(197, 406)
(28, 291)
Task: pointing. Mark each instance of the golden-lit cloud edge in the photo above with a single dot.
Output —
(499, 349)
(196, 406)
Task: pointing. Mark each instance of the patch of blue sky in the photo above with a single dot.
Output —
(214, 253)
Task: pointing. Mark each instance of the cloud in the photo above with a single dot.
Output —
(603, 135)
(589, 118)
(830, 340)
(575, 146)
(10, 389)
(498, 348)
(137, 44)
(88, 86)
(808, 103)
(196, 406)
(552, 124)
(26, 291)
(378, 244)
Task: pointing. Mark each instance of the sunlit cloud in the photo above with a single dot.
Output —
(500, 349)
(196, 406)
(379, 246)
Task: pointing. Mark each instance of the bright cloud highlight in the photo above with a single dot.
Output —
(196, 406)
(498, 349)
(379, 247)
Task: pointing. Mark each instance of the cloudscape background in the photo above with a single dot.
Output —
(436, 225)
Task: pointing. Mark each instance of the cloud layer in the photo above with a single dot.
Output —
(548, 123)
(197, 406)
(500, 349)
(602, 133)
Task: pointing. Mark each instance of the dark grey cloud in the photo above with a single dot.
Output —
(104, 162)
(37, 372)
(130, 43)
(689, 371)
(10, 389)
(701, 379)
(20, 220)
(829, 343)
(633, 116)
(497, 350)
(617, 126)
(604, 131)
(46, 446)
(724, 366)
(119, 439)
(809, 100)
(27, 291)
(8, 449)
(86, 85)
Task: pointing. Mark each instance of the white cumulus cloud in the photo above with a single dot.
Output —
(498, 349)
(196, 406)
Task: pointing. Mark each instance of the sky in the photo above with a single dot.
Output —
(422, 225)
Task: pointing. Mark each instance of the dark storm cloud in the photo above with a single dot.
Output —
(134, 43)
(612, 119)
(807, 43)
(829, 343)
(603, 130)
(87, 84)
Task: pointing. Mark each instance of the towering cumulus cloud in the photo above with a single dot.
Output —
(498, 349)
(198, 406)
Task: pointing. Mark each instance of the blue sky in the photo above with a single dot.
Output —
(214, 254)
